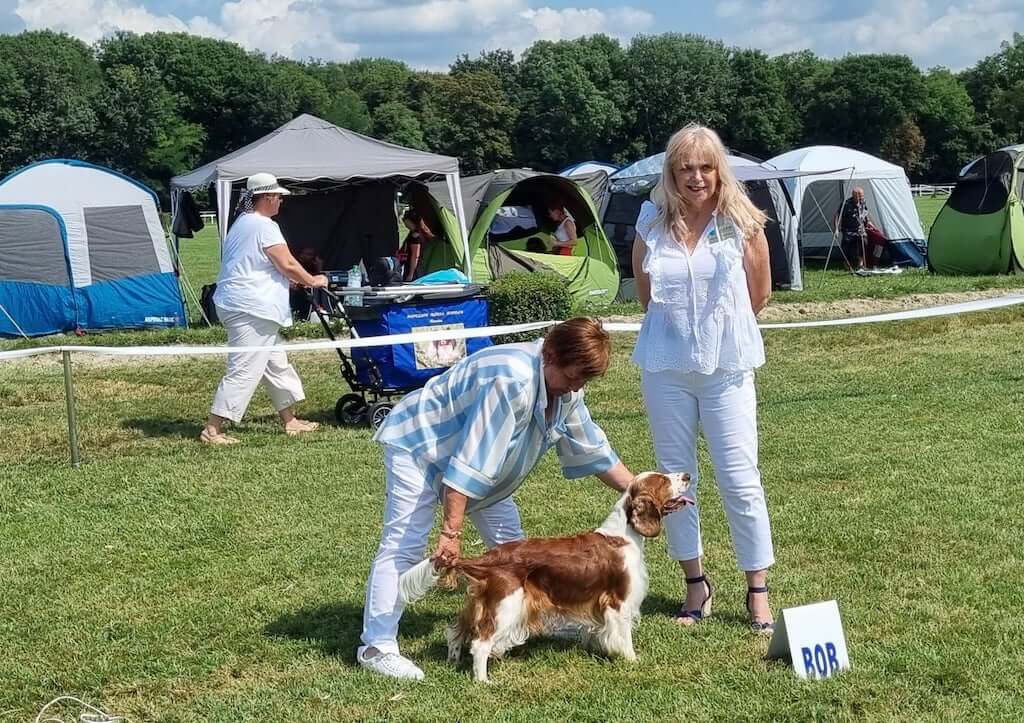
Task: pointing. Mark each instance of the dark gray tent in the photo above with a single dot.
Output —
(344, 185)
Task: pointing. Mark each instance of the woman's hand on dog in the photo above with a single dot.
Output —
(447, 553)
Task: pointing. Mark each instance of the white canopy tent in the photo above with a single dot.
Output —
(817, 199)
(585, 168)
(308, 149)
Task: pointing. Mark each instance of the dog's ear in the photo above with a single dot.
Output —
(644, 515)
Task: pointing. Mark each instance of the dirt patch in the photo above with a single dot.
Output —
(823, 310)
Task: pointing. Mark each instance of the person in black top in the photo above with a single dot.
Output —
(853, 220)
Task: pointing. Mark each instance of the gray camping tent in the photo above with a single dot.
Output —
(344, 185)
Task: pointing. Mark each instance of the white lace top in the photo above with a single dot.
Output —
(699, 318)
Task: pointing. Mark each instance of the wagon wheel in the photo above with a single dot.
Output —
(350, 409)
(378, 412)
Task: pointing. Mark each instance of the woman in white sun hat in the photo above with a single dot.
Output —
(252, 303)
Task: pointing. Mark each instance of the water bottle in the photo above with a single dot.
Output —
(355, 280)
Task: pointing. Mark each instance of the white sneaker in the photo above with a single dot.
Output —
(392, 665)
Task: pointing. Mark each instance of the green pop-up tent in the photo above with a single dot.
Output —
(498, 240)
(980, 229)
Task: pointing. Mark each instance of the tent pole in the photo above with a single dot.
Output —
(69, 395)
(455, 192)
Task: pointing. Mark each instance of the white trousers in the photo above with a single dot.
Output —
(724, 404)
(408, 518)
(246, 370)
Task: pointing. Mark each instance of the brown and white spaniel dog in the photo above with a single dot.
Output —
(596, 580)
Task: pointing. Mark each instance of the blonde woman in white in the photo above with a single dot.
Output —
(702, 274)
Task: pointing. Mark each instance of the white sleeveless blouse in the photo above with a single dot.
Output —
(699, 318)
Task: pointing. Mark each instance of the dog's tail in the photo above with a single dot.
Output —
(417, 581)
(421, 578)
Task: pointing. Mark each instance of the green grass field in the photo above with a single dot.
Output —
(166, 581)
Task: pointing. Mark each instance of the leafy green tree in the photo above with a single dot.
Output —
(500, 63)
(468, 115)
(235, 96)
(379, 81)
(868, 102)
(952, 131)
(802, 73)
(347, 109)
(571, 102)
(141, 131)
(396, 122)
(54, 86)
(762, 122)
(678, 79)
(996, 85)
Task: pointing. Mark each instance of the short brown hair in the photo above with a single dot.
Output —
(581, 344)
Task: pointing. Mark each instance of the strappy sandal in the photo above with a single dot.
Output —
(301, 426)
(216, 439)
(701, 613)
(759, 627)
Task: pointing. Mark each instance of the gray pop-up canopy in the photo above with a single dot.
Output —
(321, 156)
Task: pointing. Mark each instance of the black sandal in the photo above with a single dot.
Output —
(704, 611)
(757, 626)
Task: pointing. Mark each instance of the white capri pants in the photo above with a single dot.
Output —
(725, 405)
(408, 518)
(246, 370)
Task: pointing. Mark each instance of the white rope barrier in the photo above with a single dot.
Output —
(421, 336)
(932, 311)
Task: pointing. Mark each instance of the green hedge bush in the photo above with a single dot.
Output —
(525, 296)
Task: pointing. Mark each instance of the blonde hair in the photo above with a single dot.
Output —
(699, 142)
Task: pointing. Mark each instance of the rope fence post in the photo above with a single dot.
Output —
(69, 395)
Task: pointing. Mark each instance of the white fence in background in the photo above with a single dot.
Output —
(924, 189)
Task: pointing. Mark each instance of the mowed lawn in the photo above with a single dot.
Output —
(166, 581)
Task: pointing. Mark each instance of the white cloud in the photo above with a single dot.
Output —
(932, 33)
(90, 20)
(332, 28)
(294, 28)
(533, 24)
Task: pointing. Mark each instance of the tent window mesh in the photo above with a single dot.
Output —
(31, 248)
(119, 243)
(984, 187)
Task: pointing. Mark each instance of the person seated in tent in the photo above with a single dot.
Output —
(852, 221)
(298, 297)
(565, 233)
(412, 249)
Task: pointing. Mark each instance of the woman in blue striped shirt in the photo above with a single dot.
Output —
(466, 441)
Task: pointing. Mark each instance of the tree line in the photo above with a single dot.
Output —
(157, 104)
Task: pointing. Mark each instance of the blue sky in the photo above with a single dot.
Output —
(430, 33)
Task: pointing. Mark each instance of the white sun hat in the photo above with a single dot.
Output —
(265, 183)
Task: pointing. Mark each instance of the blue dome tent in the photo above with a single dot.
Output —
(81, 249)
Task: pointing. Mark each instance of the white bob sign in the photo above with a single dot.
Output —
(811, 636)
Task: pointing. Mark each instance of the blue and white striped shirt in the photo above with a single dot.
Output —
(480, 428)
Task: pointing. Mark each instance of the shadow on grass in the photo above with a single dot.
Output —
(190, 428)
(164, 427)
(336, 627)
